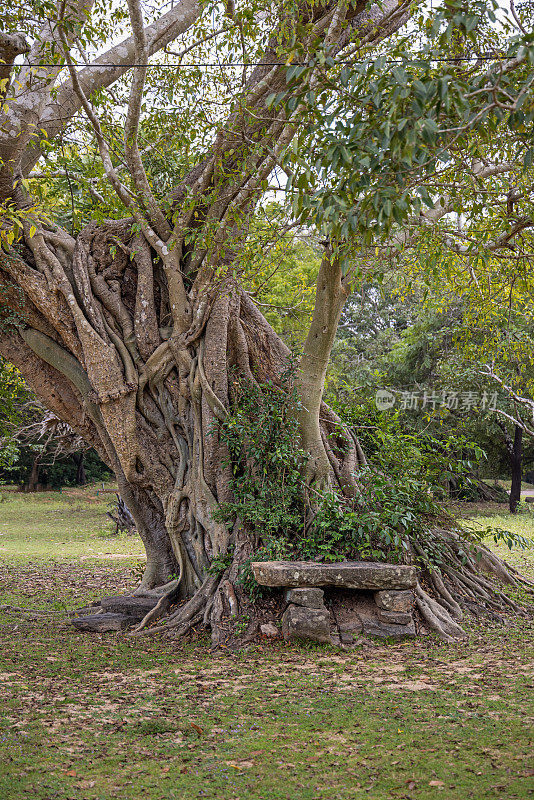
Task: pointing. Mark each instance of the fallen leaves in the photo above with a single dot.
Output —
(339, 718)
(86, 784)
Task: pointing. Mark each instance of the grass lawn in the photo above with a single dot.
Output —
(484, 515)
(67, 524)
(92, 717)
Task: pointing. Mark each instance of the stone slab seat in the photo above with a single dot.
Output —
(364, 575)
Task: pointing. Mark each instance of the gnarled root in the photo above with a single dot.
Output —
(493, 565)
(469, 578)
(437, 617)
(190, 613)
(445, 596)
(166, 599)
(448, 593)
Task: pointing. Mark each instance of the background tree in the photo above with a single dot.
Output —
(47, 439)
(35, 445)
(13, 396)
(419, 349)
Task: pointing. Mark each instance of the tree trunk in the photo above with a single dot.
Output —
(330, 298)
(516, 458)
(33, 480)
(153, 395)
(78, 459)
(514, 451)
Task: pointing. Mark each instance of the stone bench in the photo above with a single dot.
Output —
(364, 597)
(347, 574)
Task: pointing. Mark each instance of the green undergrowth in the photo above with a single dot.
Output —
(293, 520)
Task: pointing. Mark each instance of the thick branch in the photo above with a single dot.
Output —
(133, 156)
(329, 301)
(106, 70)
(20, 118)
(525, 402)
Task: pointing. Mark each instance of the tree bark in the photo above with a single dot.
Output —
(331, 295)
(81, 478)
(33, 480)
(514, 451)
(516, 458)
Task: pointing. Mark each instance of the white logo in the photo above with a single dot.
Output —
(384, 399)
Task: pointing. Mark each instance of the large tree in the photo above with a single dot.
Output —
(130, 329)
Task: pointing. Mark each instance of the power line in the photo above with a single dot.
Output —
(427, 60)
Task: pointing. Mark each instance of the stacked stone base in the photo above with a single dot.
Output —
(306, 616)
(358, 600)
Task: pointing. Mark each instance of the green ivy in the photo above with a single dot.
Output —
(221, 563)
(261, 433)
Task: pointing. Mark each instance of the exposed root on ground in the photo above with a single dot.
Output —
(470, 581)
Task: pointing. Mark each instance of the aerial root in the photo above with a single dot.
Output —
(445, 596)
(438, 618)
(231, 598)
(163, 605)
(187, 615)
